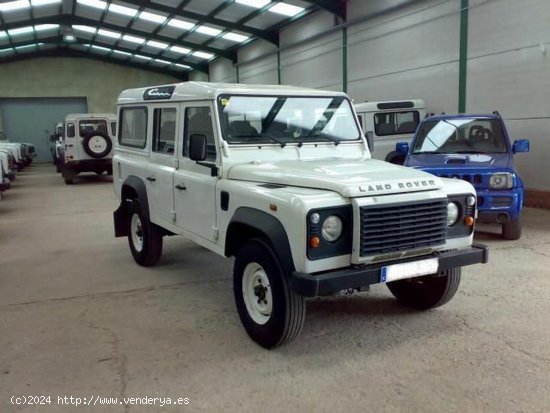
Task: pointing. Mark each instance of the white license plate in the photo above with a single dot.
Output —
(409, 270)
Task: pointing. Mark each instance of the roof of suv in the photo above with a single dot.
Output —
(205, 90)
(463, 116)
(75, 116)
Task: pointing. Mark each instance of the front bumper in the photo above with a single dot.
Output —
(310, 285)
(495, 206)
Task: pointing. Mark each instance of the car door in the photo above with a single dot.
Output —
(163, 161)
(194, 185)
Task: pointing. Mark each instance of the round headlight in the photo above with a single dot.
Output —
(471, 200)
(332, 228)
(452, 213)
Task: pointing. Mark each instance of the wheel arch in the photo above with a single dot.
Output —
(132, 188)
(248, 223)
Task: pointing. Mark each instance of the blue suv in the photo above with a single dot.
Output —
(477, 149)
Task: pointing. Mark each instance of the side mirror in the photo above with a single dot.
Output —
(370, 140)
(521, 145)
(197, 147)
(402, 148)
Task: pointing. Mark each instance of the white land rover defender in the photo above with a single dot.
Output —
(282, 179)
(390, 122)
(88, 142)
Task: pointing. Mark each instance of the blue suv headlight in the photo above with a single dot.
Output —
(501, 180)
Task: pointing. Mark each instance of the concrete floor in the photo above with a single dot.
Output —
(79, 318)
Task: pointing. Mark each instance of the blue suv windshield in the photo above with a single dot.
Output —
(461, 135)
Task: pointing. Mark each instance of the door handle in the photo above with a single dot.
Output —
(151, 178)
(181, 187)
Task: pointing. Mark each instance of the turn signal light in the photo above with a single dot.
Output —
(314, 242)
(469, 221)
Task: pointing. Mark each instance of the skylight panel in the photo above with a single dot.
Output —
(181, 50)
(3, 34)
(26, 46)
(210, 31)
(181, 24)
(182, 66)
(258, 4)
(20, 30)
(126, 11)
(97, 4)
(152, 17)
(14, 5)
(87, 29)
(235, 37)
(121, 52)
(141, 57)
(158, 45)
(103, 49)
(37, 3)
(286, 9)
(133, 39)
(203, 55)
(42, 27)
(164, 62)
(108, 33)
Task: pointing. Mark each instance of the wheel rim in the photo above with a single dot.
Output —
(98, 144)
(257, 294)
(136, 232)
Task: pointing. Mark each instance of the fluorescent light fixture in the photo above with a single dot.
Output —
(20, 30)
(182, 66)
(36, 3)
(42, 27)
(181, 50)
(27, 46)
(69, 38)
(181, 24)
(203, 55)
(235, 37)
(121, 52)
(108, 33)
(258, 4)
(164, 62)
(3, 34)
(158, 45)
(286, 9)
(210, 31)
(9, 50)
(103, 49)
(155, 18)
(127, 11)
(133, 39)
(14, 5)
(87, 29)
(138, 56)
(98, 4)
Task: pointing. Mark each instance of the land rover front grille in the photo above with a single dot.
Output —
(398, 227)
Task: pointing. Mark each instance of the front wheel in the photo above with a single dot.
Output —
(429, 291)
(144, 237)
(271, 313)
(512, 230)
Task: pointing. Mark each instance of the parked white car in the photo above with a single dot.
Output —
(390, 122)
(282, 178)
(88, 144)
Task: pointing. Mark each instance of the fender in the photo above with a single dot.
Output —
(249, 223)
(132, 187)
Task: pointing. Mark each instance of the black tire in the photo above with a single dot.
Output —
(149, 252)
(288, 310)
(89, 145)
(68, 181)
(395, 158)
(423, 293)
(512, 230)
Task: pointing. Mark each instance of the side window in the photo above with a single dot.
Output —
(164, 130)
(396, 123)
(360, 119)
(133, 127)
(70, 130)
(113, 128)
(198, 121)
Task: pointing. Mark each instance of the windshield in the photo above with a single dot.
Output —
(286, 119)
(460, 136)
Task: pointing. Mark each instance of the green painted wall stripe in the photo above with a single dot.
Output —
(463, 57)
(345, 59)
(237, 71)
(278, 67)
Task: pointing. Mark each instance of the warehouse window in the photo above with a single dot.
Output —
(164, 130)
(133, 127)
(396, 123)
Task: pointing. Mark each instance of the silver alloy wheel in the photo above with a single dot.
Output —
(98, 144)
(137, 232)
(257, 293)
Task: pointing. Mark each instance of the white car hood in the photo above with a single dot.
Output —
(348, 177)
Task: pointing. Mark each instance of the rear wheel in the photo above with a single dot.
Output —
(271, 313)
(144, 237)
(430, 291)
(395, 158)
(512, 230)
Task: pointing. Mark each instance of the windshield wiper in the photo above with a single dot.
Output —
(323, 136)
(280, 142)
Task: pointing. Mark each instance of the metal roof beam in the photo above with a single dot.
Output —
(336, 7)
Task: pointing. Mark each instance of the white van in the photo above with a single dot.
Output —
(390, 122)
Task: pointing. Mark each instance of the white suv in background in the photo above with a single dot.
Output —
(88, 144)
(282, 179)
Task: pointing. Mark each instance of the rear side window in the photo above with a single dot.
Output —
(396, 123)
(70, 130)
(133, 127)
(113, 128)
(164, 130)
